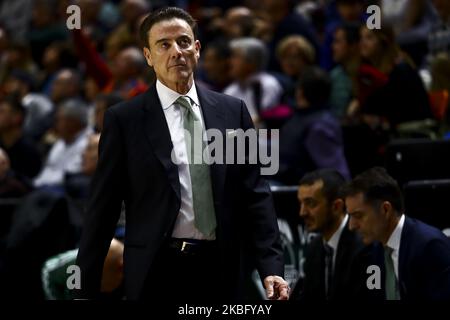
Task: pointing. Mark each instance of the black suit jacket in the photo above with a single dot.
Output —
(349, 278)
(424, 262)
(135, 166)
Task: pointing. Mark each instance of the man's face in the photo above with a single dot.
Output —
(365, 218)
(340, 46)
(173, 51)
(314, 207)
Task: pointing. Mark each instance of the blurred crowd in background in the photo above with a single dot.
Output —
(338, 91)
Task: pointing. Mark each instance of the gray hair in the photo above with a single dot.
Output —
(254, 51)
(76, 109)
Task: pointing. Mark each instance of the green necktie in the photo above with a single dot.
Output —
(205, 218)
(390, 279)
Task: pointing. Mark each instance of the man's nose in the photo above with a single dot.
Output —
(176, 50)
(303, 211)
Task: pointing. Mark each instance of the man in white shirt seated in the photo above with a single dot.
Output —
(65, 155)
(258, 89)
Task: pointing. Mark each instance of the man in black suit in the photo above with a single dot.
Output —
(416, 256)
(336, 260)
(186, 223)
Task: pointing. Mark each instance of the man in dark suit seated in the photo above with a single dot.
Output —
(336, 260)
(416, 255)
(186, 222)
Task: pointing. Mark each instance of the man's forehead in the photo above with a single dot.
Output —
(162, 28)
(354, 202)
(311, 190)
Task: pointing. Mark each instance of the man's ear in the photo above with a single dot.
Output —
(338, 205)
(386, 207)
(148, 56)
(198, 46)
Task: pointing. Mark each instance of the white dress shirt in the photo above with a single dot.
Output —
(394, 242)
(334, 240)
(174, 113)
(63, 158)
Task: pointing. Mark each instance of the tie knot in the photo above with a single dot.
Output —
(184, 102)
(388, 251)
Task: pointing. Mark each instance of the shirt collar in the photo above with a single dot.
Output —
(334, 240)
(167, 96)
(394, 239)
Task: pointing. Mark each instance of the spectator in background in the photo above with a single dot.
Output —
(343, 76)
(102, 103)
(312, 138)
(412, 21)
(16, 57)
(389, 85)
(238, 23)
(38, 106)
(349, 11)
(439, 37)
(294, 54)
(77, 184)
(10, 186)
(124, 35)
(56, 57)
(24, 156)
(336, 261)
(67, 85)
(46, 27)
(127, 73)
(65, 154)
(284, 21)
(416, 255)
(216, 65)
(257, 88)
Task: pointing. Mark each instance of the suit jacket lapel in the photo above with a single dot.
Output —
(158, 135)
(215, 118)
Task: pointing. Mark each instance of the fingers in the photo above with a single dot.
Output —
(269, 284)
(276, 288)
(283, 292)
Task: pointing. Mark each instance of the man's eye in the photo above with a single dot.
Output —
(184, 43)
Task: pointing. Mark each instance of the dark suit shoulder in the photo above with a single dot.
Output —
(130, 107)
(421, 233)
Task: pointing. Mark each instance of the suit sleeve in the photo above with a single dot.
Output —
(103, 207)
(261, 217)
(438, 270)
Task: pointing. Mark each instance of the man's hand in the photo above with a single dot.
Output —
(276, 288)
